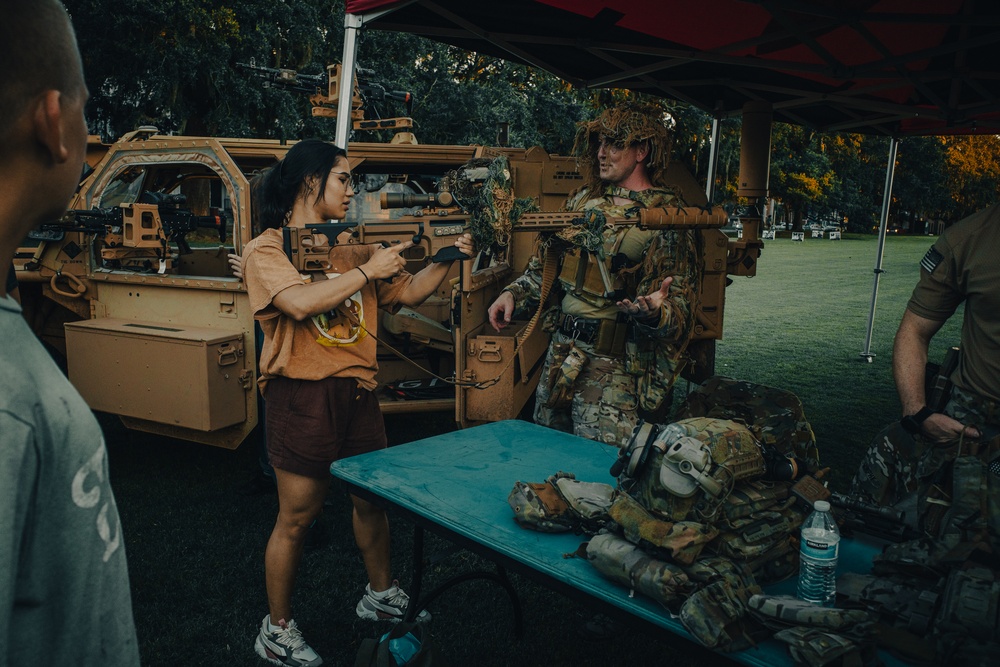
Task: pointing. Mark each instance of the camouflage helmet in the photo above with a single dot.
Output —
(628, 124)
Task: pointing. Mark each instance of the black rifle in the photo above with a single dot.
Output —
(862, 516)
(176, 221)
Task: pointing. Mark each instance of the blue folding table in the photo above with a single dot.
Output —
(456, 485)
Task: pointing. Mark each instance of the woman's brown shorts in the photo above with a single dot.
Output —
(312, 423)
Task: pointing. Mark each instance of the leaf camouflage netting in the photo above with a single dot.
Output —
(587, 231)
(489, 199)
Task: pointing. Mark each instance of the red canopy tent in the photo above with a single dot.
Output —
(898, 67)
(892, 67)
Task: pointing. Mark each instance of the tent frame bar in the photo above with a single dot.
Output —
(890, 172)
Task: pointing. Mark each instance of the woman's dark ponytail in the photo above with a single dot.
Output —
(275, 189)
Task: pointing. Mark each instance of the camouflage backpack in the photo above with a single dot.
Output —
(775, 416)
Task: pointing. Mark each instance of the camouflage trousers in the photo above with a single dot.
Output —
(604, 399)
(899, 468)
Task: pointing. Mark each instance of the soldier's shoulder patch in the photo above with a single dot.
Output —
(931, 259)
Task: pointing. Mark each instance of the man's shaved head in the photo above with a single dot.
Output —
(39, 52)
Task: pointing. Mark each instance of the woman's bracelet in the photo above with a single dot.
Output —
(363, 273)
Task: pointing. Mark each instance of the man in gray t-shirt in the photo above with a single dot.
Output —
(64, 592)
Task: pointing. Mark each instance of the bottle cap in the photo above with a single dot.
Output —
(821, 506)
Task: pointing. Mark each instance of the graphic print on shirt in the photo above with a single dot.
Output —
(87, 494)
(342, 325)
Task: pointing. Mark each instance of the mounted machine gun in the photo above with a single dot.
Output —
(137, 236)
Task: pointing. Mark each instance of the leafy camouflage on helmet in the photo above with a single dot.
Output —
(715, 615)
(680, 541)
(776, 416)
(626, 125)
(621, 561)
(725, 441)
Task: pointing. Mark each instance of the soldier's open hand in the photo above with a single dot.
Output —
(649, 306)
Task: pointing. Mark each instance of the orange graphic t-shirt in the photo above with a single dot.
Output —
(337, 343)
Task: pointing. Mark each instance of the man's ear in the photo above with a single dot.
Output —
(642, 152)
(48, 122)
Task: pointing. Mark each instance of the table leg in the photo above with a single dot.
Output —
(419, 603)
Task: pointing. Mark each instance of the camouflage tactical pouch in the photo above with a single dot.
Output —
(621, 561)
(716, 616)
(778, 563)
(563, 374)
(753, 496)
(561, 503)
(589, 502)
(709, 569)
(782, 611)
(680, 541)
(819, 648)
(754, 535)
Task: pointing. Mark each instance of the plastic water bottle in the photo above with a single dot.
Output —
(818, 556)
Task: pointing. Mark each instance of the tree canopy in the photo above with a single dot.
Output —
(174, 64)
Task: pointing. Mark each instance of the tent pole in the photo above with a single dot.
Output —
(352, 23)
(713, 161)
(890, 171)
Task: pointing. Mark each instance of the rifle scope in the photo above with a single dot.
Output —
(406, 199)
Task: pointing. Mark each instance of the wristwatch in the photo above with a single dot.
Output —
(911, 423)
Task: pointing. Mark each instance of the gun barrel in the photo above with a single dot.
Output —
(848, 502)
(406, 199)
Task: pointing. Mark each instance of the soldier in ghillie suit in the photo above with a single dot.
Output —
(623, 319)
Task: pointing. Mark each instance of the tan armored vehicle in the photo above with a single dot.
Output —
(133, 289)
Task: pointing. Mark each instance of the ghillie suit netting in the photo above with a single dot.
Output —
(483, 187)
(625, 125)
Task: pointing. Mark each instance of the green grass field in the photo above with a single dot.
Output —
(195, 545)
(801, 323)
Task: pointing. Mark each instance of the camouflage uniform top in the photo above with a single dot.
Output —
(962, 266)
(652, 254)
